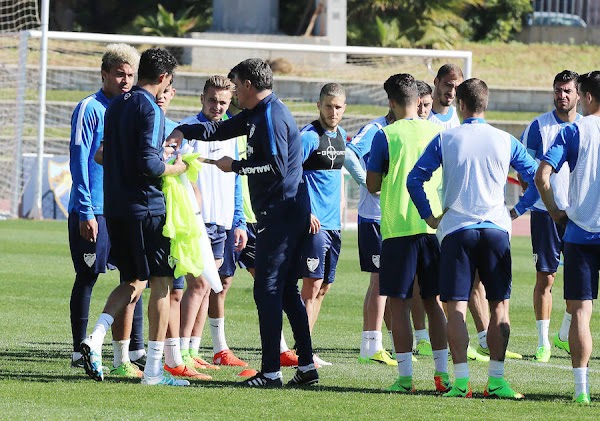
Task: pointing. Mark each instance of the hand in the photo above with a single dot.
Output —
(433, 221)
(168, 152)
(240, 238)
(176, 137)
(560, 217)
(179, 166)
(224, 164)
(89, 230)
(315, 224)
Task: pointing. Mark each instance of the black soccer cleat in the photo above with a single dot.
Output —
(307, 378)
(260, 381)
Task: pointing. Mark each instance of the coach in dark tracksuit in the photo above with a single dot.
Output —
(281, 204)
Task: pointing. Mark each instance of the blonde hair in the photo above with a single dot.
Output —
(117, 54)
(218, 82)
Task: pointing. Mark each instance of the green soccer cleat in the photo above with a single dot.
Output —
(403, 384)
(473, 355)
(583, 399)
(424, 348)
(508, 354)
(442, 382)
(383, 357)
(127, 370)
(499, 388)
(460, 389)
(564, 345)
(542, 355)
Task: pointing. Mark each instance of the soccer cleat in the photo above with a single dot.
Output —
(260, 381)
(403, 384)
(460, 389)
(140, 363)
(92, 360)
(165, 379)
(473, 355)
(424, 348)
(564, 345)
(78, 363)
(127, 370)
(185, 371)
(508, 354)
(442, 382)
(320, 362)
(499, 388)
(199, 363)
(226, 357)
(381, 357)
(288, 359)
(304, 378)
(583, 399)
(542, 355)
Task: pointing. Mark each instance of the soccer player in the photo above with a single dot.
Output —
(323, 143)
(546, 235)
(223, 214)
(282, 207)
(474, 228)
(394, 151)
(578, 145)
(88, 238)
(135, 212)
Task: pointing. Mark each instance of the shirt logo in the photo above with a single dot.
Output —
(89, 259)
(375, 260)
(312, 263)
(535, 258)
(252, 129)
(127, 96)
(249, 151)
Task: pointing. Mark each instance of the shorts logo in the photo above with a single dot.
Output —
(312, 264)
(89, 259)
(535, 258)
(375, 259)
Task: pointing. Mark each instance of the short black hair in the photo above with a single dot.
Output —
(590, 83)
(474, 93)
(402, 89)
(448, 68)
(256, 70)
(154, 62)
(565, 76)
(423, 88)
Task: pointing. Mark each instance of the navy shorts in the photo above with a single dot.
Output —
(369, 246)
(546, 240)
(139, 248)
(320, 253)
(404, 257)
(486, 250)
(244, 258)
(179, 283)
(582, 263)
(217, 235)
(88, 257)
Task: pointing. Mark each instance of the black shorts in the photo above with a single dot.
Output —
(88, 257)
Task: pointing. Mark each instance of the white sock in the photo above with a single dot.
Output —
(440, 360)
(217, 330)
(154, 359)
(173, 352)
(482, 336)
(496, 369)
(184, 344)
(137, 354)
(75, 356)
(392, 341)
(563, 333)
(283, 346)
(273, 375)
(377, 344)
(365, 344)
(461, 370)
(305, 368)
(104, 322)
(195, 344)
(421, 334)
(404, 363)
(542, 327)
(580, 377)
(120, 352)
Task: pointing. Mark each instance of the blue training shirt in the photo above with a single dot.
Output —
(324, 186)
(134, 131)
(87, 131)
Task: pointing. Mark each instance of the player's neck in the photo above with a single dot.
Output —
(439, 108)
(567, 117)
(150, 87)
(258, 97)
(327, 127)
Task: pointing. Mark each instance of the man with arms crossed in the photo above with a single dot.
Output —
(578, 145)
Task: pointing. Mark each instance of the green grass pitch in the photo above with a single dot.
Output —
(36, 381)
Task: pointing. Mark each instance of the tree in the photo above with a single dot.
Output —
(497, 20)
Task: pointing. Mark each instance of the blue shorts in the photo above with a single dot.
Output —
(244, 258)
(217, 235)
(369, 246)
(404, 257)
(486, 250)
(88, 257)
(546, 240)
(320, 253)
(582, 263)
(179, 283)
(139, 249)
